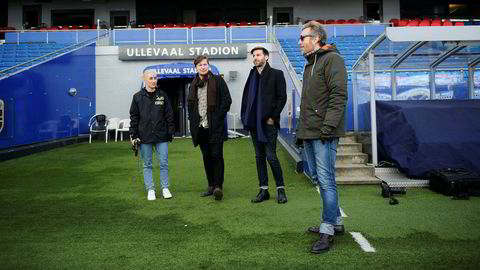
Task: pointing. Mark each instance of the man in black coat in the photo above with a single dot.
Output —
(264, 97)
(208, 103)
(151, 125)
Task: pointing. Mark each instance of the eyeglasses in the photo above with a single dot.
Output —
(301, 38)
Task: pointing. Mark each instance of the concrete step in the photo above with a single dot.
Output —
(355, 170)
(348, 138)
(349, 148)
(357, 180)
(352, 158)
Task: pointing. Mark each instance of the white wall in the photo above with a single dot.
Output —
(391, 10)
(117, 81)
(102, 9)
(343, 9)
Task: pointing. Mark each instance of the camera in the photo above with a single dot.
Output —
(135, 145)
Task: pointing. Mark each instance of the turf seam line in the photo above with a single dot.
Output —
(363, 242)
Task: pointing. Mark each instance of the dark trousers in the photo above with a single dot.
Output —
(212, 159)
(267, 151)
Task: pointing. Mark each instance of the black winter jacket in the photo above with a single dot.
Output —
(217, 127)
(273, 91)
(151, 119)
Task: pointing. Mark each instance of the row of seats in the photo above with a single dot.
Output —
(190, 25)
(429, 22)
(99, 123)
(26, 54)
(339, 21)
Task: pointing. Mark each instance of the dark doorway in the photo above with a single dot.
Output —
(119, 19)
(176, 90)
(32, 16)
(373, 10)
(283, 15)
(72, 17)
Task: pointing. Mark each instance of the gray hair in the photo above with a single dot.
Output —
(317, 31)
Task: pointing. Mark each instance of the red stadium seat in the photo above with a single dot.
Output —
(403, 22)
(330, 21)
(189, 25)
(424, 23)
(74, 27)
(394, 22)
(254, 23)
(340, 21)
(170, 25)
(157, 25)
(222, 24)
(86, 26)
(352, 21)
(212, 24)
(436, 23)
(148, 25)
(413, 23)
(459, 24)
(321, 21)
(447, 23)
(243, 23)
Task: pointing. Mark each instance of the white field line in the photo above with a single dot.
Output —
(363, 242)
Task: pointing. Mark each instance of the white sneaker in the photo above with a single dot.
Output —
(166, 193)
(151, 195)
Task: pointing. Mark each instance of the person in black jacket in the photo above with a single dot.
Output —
(264, 97)
(151, 125)
(208, 103)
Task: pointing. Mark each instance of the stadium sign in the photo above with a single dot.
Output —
(180, 51)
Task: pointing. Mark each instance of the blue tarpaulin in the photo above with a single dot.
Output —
(423, 135)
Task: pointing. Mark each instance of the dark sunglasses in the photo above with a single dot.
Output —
(301, 38)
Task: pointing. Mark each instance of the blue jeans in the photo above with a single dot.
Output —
(161, 150)
(321, 158)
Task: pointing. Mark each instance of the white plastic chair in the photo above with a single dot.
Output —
(97, 123)
(123, 125)
(112, 124)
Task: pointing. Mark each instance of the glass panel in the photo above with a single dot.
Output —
(387, 52)
(451, 85)
(361, 88)
(413, 86)
(462, 57)
(476, 85)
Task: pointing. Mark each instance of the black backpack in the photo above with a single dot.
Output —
(457, 182)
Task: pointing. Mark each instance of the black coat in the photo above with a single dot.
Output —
(216, 119)
(273, 91)
(151, 119)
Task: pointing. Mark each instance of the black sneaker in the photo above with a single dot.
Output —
(281, 196)
(207, 193)
(263, 195)
(218, 193)
(323, 244)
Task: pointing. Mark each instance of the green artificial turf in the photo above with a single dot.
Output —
(83, 207)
